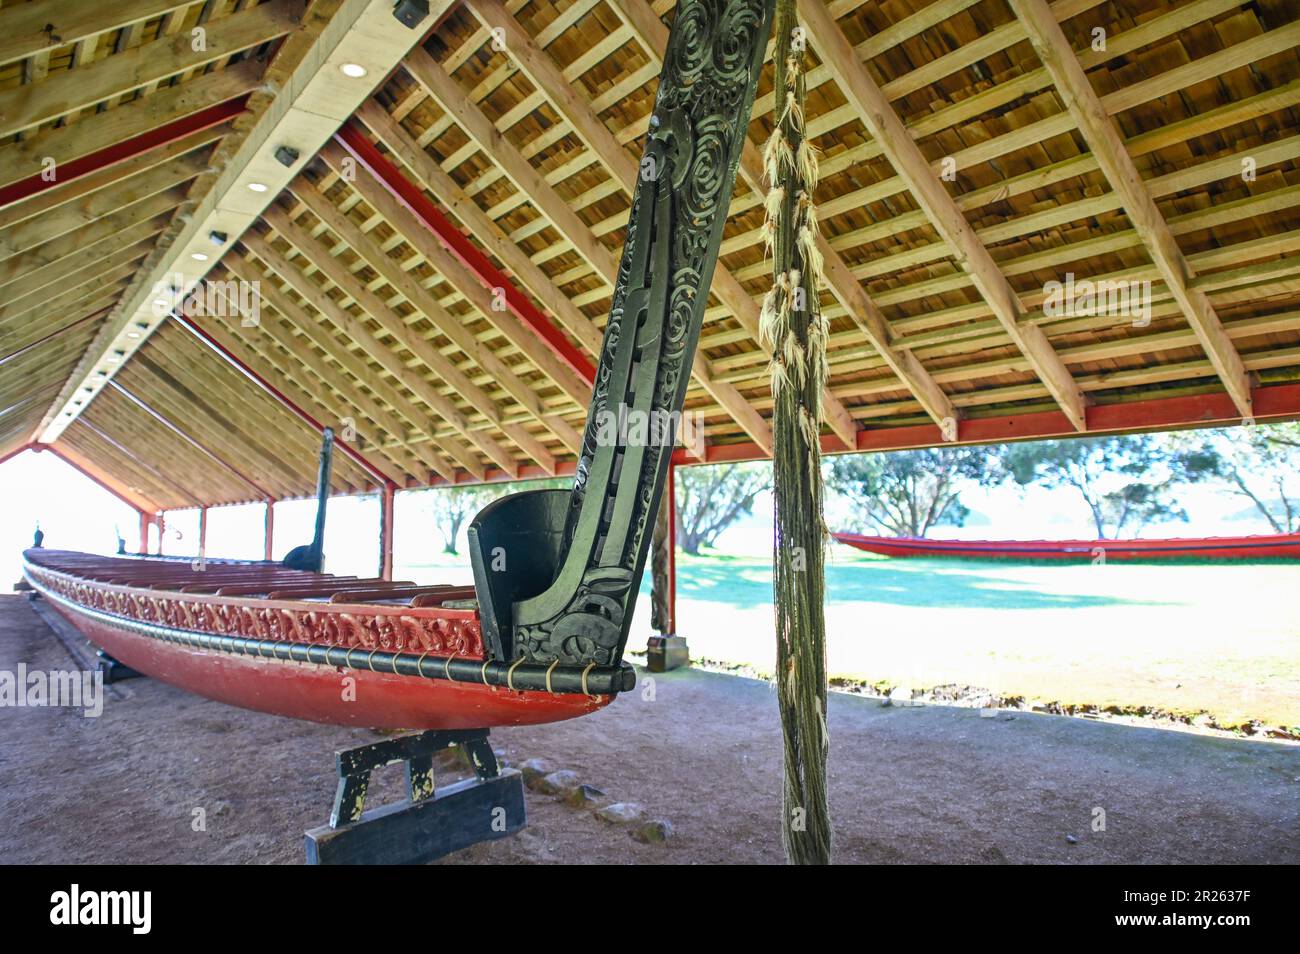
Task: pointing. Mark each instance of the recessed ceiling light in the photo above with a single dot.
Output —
(354, 70)
(199, 257)
(162, 302)
(133, 334)
(257, 186)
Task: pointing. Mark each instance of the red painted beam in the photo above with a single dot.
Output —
(283, 399)
(469, 254)
(670, 501)
(124, 150)
(1279, 402)
(269, 534)
(386, 533)
(16, 451)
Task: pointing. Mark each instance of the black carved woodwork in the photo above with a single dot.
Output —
(557, 572)
(311, 556)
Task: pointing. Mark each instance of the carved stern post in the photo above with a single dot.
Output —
(557, 571)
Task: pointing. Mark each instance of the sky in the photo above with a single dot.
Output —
(77, 514)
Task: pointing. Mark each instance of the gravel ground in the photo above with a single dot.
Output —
(699, 750)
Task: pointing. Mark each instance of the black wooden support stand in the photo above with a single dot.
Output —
(76, 644)
(430, 823)
(113, 670)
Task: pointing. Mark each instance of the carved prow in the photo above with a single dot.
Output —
(311, 556)
(557, 572)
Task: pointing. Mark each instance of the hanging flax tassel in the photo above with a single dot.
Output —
(794, 327)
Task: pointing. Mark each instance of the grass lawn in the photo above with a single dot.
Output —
(1186, 638)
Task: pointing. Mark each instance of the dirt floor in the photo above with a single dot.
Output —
(699, 750)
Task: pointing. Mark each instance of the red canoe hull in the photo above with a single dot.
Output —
(1281, 546)
(386, 664)
(330, 694)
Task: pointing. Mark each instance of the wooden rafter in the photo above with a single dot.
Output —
(913, 168)
(443, 88)
(653, 36)
(23, 108)
(547, 77)
(305, 92)
(393, 325)
(1107, 147)
(367, 248)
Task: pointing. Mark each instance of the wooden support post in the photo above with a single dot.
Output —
(666, 650)
(386, 531)
(203, 530)
(145, 520)
(270, 531)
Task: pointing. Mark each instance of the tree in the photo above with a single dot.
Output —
(452, 506)
(908, 493)
(712, 498)
(1260, 463)
(1127, 481)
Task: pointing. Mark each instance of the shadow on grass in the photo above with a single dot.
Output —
(745, 583)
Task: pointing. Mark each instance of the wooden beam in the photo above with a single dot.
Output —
(102, 230)
(64, 191)
(90, 276)
(208, 338)
(178, 484)
(134, 237)
(184, 436)
(276, 376)
(25, 107)
(475, 277)
(443, 88)
(1107, 146)
(305, 96)
(317, 330)
(347, 381)
(898, 146)
(27, 235)
(653, 36)
(373, 307)
(27, 29)
(402, 281)
(102, 140)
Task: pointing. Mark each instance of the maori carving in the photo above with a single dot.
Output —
(428, 630)
(573, 567)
